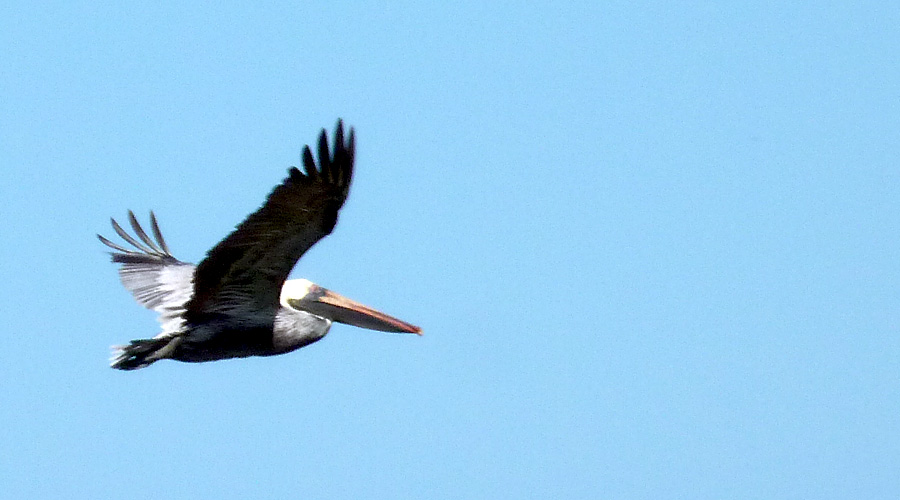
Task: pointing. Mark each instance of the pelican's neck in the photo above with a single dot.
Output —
(294, 329)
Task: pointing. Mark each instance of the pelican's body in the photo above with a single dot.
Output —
(237, 302)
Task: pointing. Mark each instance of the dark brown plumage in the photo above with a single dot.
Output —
(252, 262)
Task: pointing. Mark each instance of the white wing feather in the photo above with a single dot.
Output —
(158, 281)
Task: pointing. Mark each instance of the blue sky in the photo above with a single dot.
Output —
(654, 248)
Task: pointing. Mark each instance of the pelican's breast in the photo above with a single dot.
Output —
(294, 329)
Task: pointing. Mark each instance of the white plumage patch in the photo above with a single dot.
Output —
(164, 288)
(296, 290)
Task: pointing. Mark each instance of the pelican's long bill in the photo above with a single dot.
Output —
(323, 302)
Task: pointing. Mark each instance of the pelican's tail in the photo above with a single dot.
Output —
(141, 353)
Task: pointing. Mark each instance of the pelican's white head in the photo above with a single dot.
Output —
(304, 295)
(295, 290)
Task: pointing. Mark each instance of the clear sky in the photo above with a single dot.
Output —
(654, 248)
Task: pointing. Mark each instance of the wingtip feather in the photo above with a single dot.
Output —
(139, 231)
(158, 234)
(154, 251)
(309, 163)
(127, 237)
(324, 156)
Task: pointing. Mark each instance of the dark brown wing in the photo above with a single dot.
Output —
(247, 269)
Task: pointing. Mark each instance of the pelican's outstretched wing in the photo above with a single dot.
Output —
(247, 269)
(157, 280)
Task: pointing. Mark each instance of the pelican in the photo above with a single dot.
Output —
(238, 301)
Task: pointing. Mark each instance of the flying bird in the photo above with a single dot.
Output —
(238, 301)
